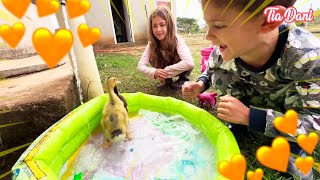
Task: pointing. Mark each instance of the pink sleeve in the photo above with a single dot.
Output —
(186, 62)
(144, 61)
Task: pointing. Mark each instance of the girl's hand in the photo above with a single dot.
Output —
(192, 89)
(232, 110)
(161, 74)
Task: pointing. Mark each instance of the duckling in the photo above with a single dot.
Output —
(114, 121)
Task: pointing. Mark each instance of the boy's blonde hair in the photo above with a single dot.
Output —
(241, 4)
(158, 59)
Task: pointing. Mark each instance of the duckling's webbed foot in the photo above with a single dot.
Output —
(106, 144)
(129, 136)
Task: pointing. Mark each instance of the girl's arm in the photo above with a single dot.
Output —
(144, 61)
(186, 62)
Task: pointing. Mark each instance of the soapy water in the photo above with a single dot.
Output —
(163, 147)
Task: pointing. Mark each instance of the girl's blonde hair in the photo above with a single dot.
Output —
(170, 55)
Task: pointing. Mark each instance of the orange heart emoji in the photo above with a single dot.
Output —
(52, 48)
(77, 7)
(257, 175)
(12, 35)
(288, 123)
(308, 143)
(47, 7)
(88, 36)
(235, 169)
(276, 157)
(17, 8)
(304, 164)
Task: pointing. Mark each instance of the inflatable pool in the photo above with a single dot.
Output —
(48, 155)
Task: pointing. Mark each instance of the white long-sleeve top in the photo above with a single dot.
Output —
(185, 64)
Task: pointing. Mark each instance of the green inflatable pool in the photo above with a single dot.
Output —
(47, 155)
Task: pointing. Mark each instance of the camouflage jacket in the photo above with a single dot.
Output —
(289, 80)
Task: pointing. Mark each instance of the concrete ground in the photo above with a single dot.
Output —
(32, 98)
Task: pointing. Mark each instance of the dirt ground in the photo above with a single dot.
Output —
(29, 105)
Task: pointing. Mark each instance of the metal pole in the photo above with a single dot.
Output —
(63, 24)
(84, 62)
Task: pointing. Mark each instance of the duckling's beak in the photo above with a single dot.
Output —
(118, 82)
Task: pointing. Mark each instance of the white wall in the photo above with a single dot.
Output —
(31, 22)
(100, 16)
(139, 20)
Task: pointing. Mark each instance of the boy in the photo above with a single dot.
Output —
(261, 69)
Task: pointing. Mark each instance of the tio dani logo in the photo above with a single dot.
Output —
(291, 14)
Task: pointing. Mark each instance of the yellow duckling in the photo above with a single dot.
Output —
(114, 120)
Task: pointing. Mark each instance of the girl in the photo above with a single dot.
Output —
(167, 53)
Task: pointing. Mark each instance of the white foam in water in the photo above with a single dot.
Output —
(163, 147)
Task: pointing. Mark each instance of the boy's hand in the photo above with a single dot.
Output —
(192, 89)
(161, 74)
(232, 110)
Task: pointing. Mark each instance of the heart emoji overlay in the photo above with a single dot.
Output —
(257, 175)
(52, 48)
(308, 143)
(88, 36)
(275, 157)
(12, 35)
(288, 123)
(304, 164)
(17, 7)
(77, 7)
(47, 7)
(235, 169)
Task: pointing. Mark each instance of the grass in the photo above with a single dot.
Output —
(123, 65)
(314, 28)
